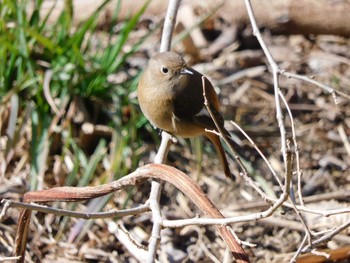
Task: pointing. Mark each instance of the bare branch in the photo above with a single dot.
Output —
(157, 221)
(61, 212)
(169, 24)
(154, 171)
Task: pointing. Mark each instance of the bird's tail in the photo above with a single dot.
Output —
(215, 139)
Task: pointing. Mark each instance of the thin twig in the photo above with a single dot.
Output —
(297, 253)
(316, 83)
(8, 259)
(296, 147)
(61, 212)
(260, 152)
(236, 219)
(327, 237)
(296, 151)
(275, 71)
(221, 133)
(128, 242)
(250, 217)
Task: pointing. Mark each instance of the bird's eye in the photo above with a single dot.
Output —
(164, 70)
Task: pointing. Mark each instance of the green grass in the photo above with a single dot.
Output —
(81, 65)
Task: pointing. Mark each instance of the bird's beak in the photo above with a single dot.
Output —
(186, 71)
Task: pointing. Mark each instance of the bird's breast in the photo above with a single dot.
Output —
(170, 107)
(156, 104)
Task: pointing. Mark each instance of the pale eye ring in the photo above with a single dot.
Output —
(164, 70)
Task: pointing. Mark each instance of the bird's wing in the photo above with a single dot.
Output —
(189, 104)
(204, 119)
(190, 101)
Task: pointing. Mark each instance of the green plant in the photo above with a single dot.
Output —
(81, 64)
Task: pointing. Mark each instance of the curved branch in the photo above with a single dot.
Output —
(155, 171)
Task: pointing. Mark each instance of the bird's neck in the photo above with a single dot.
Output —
(182, 83)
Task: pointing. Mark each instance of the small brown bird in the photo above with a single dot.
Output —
(171, 97)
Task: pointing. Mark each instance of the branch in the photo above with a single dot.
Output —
(278, 95)
(87, 216)
(169, 24)
(154, 171)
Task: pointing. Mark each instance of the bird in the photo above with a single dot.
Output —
(170, 95)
